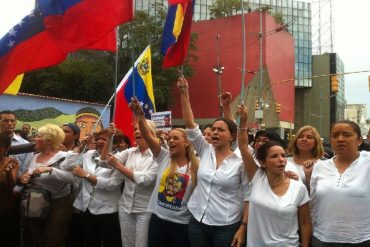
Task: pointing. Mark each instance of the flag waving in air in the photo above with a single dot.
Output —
(56, 27)
(137, 82)
(176, 32)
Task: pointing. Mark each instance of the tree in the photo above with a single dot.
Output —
(224, 8)
(89, 75)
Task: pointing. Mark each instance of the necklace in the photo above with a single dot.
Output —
(278, 184)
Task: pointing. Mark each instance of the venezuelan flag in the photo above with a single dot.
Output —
(176, 32)
(137, 82)
(56, 27)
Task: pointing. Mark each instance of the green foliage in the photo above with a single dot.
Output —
(89, 75)
(36, 115)
(279, 18)
(224, 8)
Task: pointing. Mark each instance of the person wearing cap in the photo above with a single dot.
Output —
(72, 136)
(86, 119)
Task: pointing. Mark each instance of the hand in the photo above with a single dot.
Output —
(42, 169)
(86, 140)
(62, 148)
(239, 237)
(242, 111)
(136, 107)
(112, 160)
(291, 175)
(11, 165)
(111, 129)
(226, 98)
(78, 171)
(25, 178)
(182, 85)
(308, 167)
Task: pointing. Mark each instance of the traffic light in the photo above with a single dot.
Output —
(278, 107)
(257, 105)
(334, 83)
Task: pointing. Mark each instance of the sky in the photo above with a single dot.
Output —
(351, 38)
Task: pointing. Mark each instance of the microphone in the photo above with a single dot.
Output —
(22, 148)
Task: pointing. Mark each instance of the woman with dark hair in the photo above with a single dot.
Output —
(216, 203)
(306, 147)
(207, 130)
(277, 204)
(340, 191)
(99, 192)
(120, 142)
(176, 180)
(8, 211)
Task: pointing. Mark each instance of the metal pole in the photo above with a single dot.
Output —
(219, 71)
(320, 110)
(260, 35)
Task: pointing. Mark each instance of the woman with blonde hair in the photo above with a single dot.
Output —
(176, 180)
(45, 172)
(306, 148)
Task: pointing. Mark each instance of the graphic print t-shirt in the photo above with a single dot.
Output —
(171, 190)
(171, 194)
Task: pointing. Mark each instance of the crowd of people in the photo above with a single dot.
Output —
(220, 187)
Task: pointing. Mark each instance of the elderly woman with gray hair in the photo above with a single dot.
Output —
(44, 172)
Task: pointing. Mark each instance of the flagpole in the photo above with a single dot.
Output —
(133, 61)
(243, 54)
(116, 72)
(243, 61)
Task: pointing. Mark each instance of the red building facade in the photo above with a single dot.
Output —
(278, 66)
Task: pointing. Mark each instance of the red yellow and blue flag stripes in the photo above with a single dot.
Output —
(176, 32)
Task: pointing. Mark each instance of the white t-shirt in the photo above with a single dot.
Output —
(340, 203)
(170, 196)
(273, 219)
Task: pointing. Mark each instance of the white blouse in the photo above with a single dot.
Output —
(103, 197)
(340, 208)
(273, 219)
(57, 182)
(217, 199)
(136, 194)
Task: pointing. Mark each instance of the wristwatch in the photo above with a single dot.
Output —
(87, 177)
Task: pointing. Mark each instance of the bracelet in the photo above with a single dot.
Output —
(243, 129)
(245, 224)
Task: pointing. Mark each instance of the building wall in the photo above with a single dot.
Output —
(296, 13)
(278, 63)
(322, 107)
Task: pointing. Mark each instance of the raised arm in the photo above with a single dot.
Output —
(226, 99)
(187, 112)
(148, 136)
(108, 145)
(248, 159)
